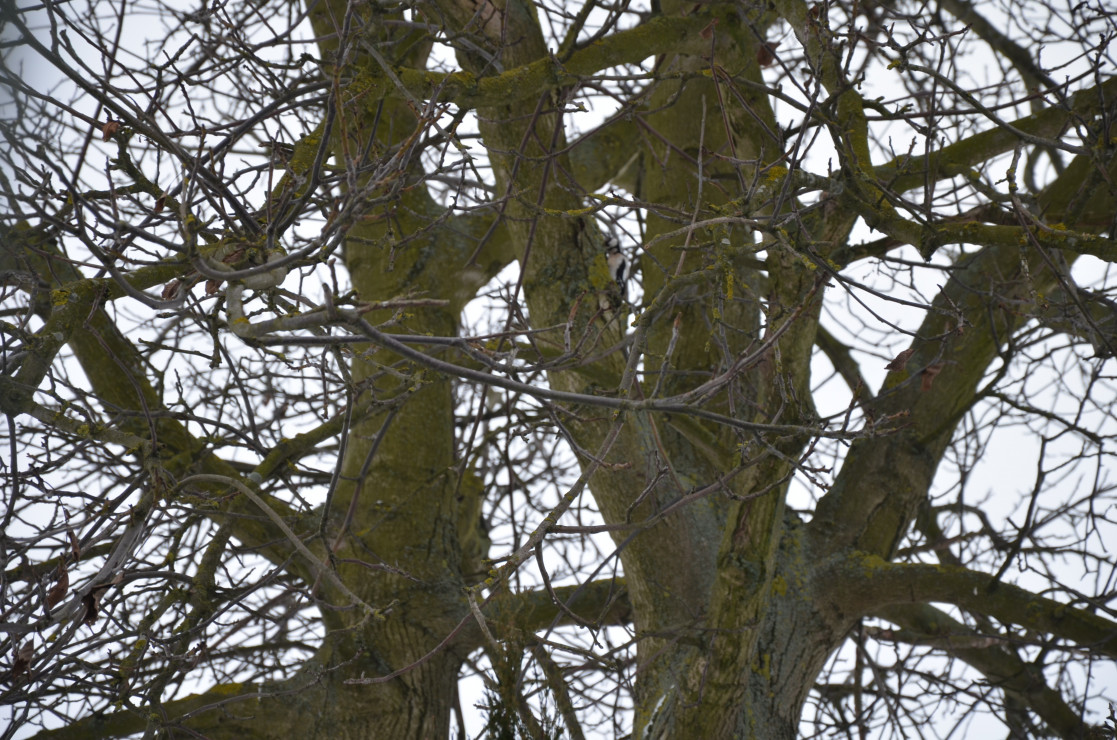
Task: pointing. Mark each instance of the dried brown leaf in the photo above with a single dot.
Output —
(708, 31)
(59, 590)
(160, 202)
(928, 376)
(92, 600)
(75, 546)
(900, 361)
(23, 659)
(171, 290)
(766, 54)
(109, 129)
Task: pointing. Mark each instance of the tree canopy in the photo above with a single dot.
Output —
(540, 369)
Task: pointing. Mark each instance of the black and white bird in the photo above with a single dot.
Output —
(618, 265)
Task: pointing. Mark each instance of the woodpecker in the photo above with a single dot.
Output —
(618, 265)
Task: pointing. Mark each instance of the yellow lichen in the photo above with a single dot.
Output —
(776, 173)
(779, 586)
(763, 665)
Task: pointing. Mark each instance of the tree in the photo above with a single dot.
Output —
(292, 453)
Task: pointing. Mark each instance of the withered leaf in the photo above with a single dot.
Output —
(900, 361)
(160, 202)
(708, 31)
(92, 600)
(75, 547)
(212, 286)
(928, 375)
(58, 591)
(171, 290)
(109, 129)
(766, 54)
(23, 659)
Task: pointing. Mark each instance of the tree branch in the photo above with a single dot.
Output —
(528, 81)
(862, 583)
(924, 624)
